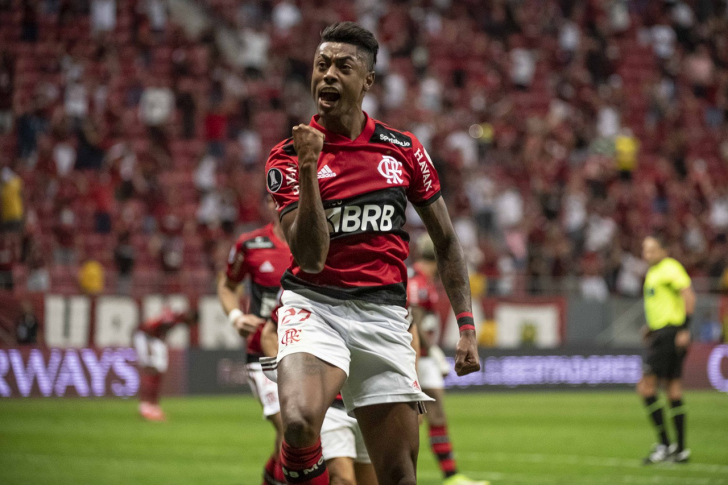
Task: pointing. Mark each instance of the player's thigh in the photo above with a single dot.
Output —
(435, 409)
(265, 390)
(382, 358)
(391, 433)
(142, 349)
(365, 474)
(159, 354)
(341, 471)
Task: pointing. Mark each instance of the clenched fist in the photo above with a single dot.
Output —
(308, 142)
(467, 359)
(247, 324)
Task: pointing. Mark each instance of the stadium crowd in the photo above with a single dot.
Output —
(133, 133)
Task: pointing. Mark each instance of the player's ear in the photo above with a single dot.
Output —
(369, 81)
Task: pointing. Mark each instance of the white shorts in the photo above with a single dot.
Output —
(151, 352)
(369, 342)
(265, 390)
(341, 437)
(430, 374)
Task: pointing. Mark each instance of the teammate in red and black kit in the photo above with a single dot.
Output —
(263, 256)
(341, 185)
(153, 357)
(422, 298)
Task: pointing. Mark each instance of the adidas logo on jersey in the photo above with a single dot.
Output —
(325, 173)
(266, 267)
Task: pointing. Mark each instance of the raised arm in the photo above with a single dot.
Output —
(306, 227)
(454, 274)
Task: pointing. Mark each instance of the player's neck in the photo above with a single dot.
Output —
(349, 125)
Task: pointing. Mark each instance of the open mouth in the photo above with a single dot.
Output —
(329, 95)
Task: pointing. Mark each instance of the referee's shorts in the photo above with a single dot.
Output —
(663, 359)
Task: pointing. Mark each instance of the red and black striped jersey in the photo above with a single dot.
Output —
(263, 257)
(421, 291)
(365, 185)
(163, 323)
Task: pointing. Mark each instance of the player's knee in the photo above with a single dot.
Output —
(338, 480)
(300, 430)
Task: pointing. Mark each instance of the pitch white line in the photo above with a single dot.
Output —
(592, 461)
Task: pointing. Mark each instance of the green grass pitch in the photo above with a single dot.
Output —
(508, 438)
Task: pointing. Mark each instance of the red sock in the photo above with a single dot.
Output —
(156, 386)
(278, 472)
(442, 448)
(145, 387)
(271, 471)
(304, 466)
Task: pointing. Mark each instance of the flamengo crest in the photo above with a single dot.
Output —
(391, 169)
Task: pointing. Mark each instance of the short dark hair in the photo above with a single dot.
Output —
(354, 34)
(661, 239)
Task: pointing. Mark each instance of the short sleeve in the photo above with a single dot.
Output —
(679, 277)
(235, 264)
(281, 177)
(424, 186)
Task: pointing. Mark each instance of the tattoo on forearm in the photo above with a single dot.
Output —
(454, 274)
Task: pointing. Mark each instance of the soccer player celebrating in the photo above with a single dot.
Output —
(263, 256)
(669, 305)
(341, 184)
(153, 357)
(422, 299)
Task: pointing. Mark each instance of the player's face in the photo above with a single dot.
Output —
(340, 79)
(652, 251)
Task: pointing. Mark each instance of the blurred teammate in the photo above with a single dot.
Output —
(343, 448)
(262, 256)
(153, 357)
(669, 305)
(422, 299)
(341, 185)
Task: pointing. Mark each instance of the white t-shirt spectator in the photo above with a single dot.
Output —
(285, 16)
(663, 41)
(569, 36)
(157, 13)
(395, 90)
(600, 232)
(608, 122)
(103, 15)
(574, 211)
(431, 94)
(632, 271)
(64, 156)
(251, 145)
(509, 208)
(206, 174)
(594, 288)
(719, 214)
(466, 145)
(76, 102)
(255, 48)
(156, 105)
(523, 66)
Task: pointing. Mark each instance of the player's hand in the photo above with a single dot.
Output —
(308, 142)
(466, 354)
(646, 332)
(682, 339)
(247, 324)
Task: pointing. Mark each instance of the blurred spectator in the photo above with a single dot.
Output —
(91, 277)
(65, 235)
(7, 75)
(663, 38)
(9, 255)
(285, 16)
(124, 259)
(700, 71)
(90, 154)
(103, 15)
(216, 130)
(206, 174)
(30, 124)
(523, 67)
(29, 21)
(102, 200)
(592, 284)
(156, 11)
(626, 147)
(185, 101)
(11, 201)
(64, 157)
(719, 210)
(27, 327)
(156, 104)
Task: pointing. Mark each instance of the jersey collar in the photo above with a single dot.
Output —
(338, 139)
